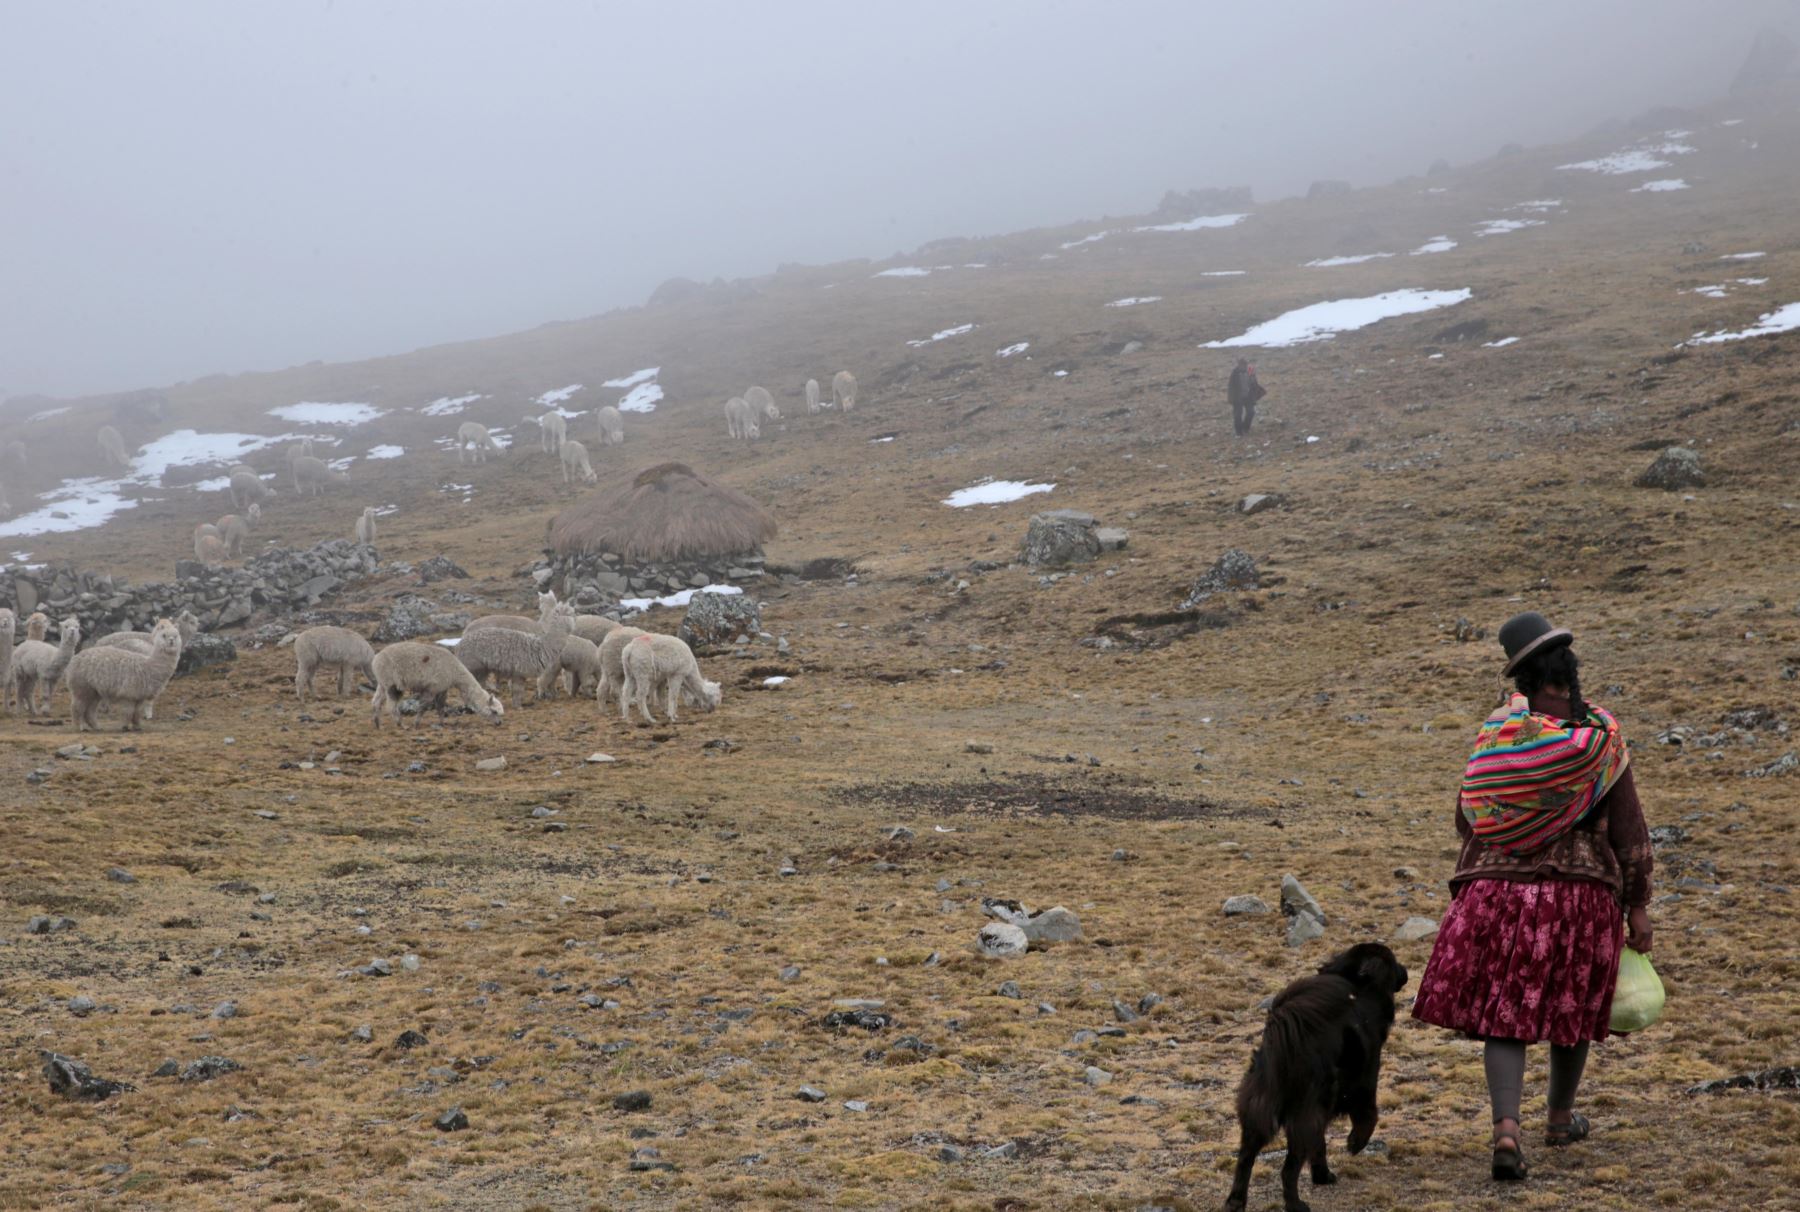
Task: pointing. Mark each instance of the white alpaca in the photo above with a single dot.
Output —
(248, 489)
(234, 530)
(612, 426)
(431, 672)
(575, 458)
(365, 526)
(9, 624)
(474, 440)
(662, 665)
(740, 422)
(312, 475)
(843, 390)
(762, 404)
(812, 396)
(612, 668)
(112, 676)
(555, 430)
(336, 648)
(112, 446)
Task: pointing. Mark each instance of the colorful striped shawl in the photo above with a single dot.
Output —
(1533, 777)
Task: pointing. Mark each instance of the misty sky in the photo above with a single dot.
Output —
(192, 186)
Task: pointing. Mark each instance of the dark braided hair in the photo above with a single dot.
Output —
(1557, 667)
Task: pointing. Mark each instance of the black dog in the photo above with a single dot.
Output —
(1320, 1058)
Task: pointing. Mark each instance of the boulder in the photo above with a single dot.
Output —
(714, 619)
(1002, 939)
(1295, 899)
(206, 649)
(1246, 906)
(1112, 538)
(1235, 570)
(1056, 925)
(1676, 467)
(1415, 928)
(1303, 928)
(408, 619)
(440, 568)
(1060, 536)
(1258, 502)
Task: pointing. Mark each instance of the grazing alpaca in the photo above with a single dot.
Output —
(554, 431)
(234, 530)
(112, 447)
(762, 404)
(812, 396)
(248, 489)
(612, 426)
(335, 648)
(843, 390)
(314, 474)
(474, 440)
(575, 458)
(429, 672)
(112, 676)
(662, 665)
(740, 422)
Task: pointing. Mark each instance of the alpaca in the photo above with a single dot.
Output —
(253, 515)
(512, 655)
(612, 426)
(336, 648)
(37, 666)
(612, 669)
(112, 446)
(555, 431)
(430, 672)
(580, 664)
(594, 627)
(812, 396)
(8, 624)
(740, 422)
(234, 530)
(247, 489)
(304, 447)
(516, 622)
(365, 526)
(208, 543)
(474, 440)
(843, 390)
(762, 404)
(37, 626)
(187, 625)
(662, 665)
(575, 458)
(314, 474)
(110, 676)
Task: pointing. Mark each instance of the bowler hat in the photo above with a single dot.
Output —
(1529, 633)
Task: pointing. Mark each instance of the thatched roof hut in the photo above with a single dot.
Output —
(665, 514)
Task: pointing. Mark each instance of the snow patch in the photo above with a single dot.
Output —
(1662, 186)
(559, 395)
(452, 642)
(676, 599)
(74, 505)
(48, 413)
(1010, 350)
(642, 391)
(1323, 321)
(1633, 160)
(385, 452)
(1502, 343)
(1782, 319)
(1437, 244)
(1732, 122)
(1499, 227)
(903, 271)
(1134, 300)
(944, 335)
(1093, 239)
(994, 492)
(1358, 259)
(1199, 224)
(1223, 273)
(1537, 205)
(1751, 281)
(1717, 291)
(446, 406)
(312, 412)
(777, 680)
(1749, 256)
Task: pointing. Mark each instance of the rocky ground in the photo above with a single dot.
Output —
(738, 963)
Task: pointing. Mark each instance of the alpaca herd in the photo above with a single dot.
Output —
(122, 671)
(745, 414)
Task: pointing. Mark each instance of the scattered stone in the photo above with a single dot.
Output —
(1112, 538)
(1784, 1077)
(1003, 1152)
(377, 967)
(440, 568)
(169, 1068)
(206, 649)
(600, 759)
(82, 1004)
(209, 1067)
(977, 747)
(1235, 570)
(1054, 925)
(1093, 1075)
(412, 1038)
(790, 973)
(632, 1100)
(1667, 835)
(856, 1104)
(949, 1154)
(72, 1079)
(900, 833)
(225, 1010)
(868, 1020)
(1149, 1002)
(1122, 1012)
(1675, 468)
(363, 1034)
(1303, 928)
(1295, 899)
(1002, 939)
(1009, 989)
(410, 962)
(488, 765)
(1246, 906)
(1058, 537)
(1415, 928)
(810, 1094)
(715, 619)
(1409, 874)
(452, 1120)
(1787, 763)
(1258, 502)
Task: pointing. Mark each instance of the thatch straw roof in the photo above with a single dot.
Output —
(664, 514)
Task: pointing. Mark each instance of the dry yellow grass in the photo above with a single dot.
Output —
(1319, 731)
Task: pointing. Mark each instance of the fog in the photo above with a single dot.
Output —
(199, 187)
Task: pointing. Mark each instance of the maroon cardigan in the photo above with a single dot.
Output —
(1611, 847)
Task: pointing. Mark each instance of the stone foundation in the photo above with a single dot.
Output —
(604, 578)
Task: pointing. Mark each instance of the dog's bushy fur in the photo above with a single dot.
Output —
(1320, 1058)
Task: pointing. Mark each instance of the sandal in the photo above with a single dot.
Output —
(1558, 1135)
(1509, 1159)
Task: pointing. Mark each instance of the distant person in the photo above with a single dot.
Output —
(1553, 877)
(1244, 391)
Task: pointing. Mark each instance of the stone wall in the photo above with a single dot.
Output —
(605, 578)
(279, 580)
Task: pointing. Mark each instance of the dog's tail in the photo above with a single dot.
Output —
(1285, 1071)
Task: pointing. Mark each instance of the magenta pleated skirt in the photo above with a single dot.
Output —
(1526, 961)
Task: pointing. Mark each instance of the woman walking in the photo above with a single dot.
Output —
(1553, 876)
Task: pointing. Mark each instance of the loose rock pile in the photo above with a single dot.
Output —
(594, 578)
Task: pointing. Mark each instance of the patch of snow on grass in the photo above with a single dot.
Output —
(1499, 227)
(1732, 122)
(1223, 273)
(634, 378)
(903, 271)
(1751, 281)
(73, 505)
(1010, 350)
(880, 440)
(642, 391)
(559, 395)
(1061, 374)
(994, 492)
(1633, 160)
(312, 412)
(1330, 262)
(944, 335)
(1093, 239)
(1782, 319)
(1537, 205)
(446, 406)
(1502, 343)
(48, 413)
(186, 447)
(385, 452)
(1663, 186)
(777, 680)
(1749, 256)
(1134, 300)
(1199, 224)
(1437, 244)
(1323, 321)
(1717, 291)
(676, 599)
